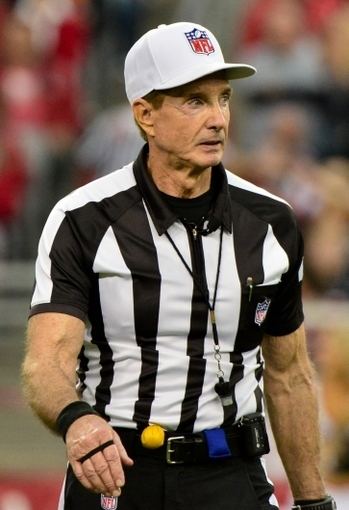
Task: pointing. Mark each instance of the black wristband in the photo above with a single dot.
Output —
(307, 501)
(327, 503)
(71, 413)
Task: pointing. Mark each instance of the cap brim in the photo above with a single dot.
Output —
(231, 72)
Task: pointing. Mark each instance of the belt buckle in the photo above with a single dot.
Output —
(170, 450)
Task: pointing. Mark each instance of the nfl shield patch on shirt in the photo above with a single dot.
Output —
(261, 311)
(109, 502)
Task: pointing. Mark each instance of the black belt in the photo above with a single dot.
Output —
(179, 448)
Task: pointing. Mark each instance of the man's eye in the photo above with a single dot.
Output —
(225, 99)
(195, 101)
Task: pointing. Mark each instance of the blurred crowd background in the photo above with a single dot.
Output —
(64, 120)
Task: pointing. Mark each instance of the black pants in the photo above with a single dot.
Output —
(151, 484)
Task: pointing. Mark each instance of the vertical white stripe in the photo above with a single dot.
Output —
(275, 259)
(301, 271)
(228, 292)
(210, 413)
(272, 499)
(244, 390)
(116, 297)
(173, 326)
(43, 286)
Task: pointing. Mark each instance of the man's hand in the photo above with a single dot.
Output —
(103, 471)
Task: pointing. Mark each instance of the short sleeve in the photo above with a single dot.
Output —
(62, 273)
(286, 311)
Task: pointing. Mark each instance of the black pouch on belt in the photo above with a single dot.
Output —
(254, 434)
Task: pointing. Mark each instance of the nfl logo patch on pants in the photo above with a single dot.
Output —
(109, 502)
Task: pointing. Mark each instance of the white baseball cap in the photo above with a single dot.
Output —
(173, 55)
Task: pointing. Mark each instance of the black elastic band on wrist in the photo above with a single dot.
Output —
(71, 413)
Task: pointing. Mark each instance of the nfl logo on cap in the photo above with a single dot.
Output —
(109, 502)
(200, 42)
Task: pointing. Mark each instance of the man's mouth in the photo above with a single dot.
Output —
(212, 142)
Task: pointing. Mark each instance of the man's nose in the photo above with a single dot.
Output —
(218, 116)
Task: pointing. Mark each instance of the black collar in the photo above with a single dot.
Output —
(163, 217)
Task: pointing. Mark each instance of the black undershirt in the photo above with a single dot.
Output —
(190, 210)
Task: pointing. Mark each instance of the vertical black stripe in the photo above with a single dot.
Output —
(197, 364)
(196, 339)
(249, 234)
(236, 375)
(134, 238)
(83, 368)
(103, 392)
(258, 392)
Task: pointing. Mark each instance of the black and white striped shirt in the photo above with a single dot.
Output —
(148, 355)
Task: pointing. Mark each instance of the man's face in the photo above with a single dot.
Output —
(191, 126)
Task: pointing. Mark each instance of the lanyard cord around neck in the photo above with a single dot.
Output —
(206, 296)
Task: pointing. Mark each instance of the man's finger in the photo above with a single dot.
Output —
(112, 459)
(96, 472)
(100, 473)
(80, 476)
(112, 481)
(125, 459)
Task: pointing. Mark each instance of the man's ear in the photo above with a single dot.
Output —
(143, 114)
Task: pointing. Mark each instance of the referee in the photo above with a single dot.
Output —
(166, 293)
